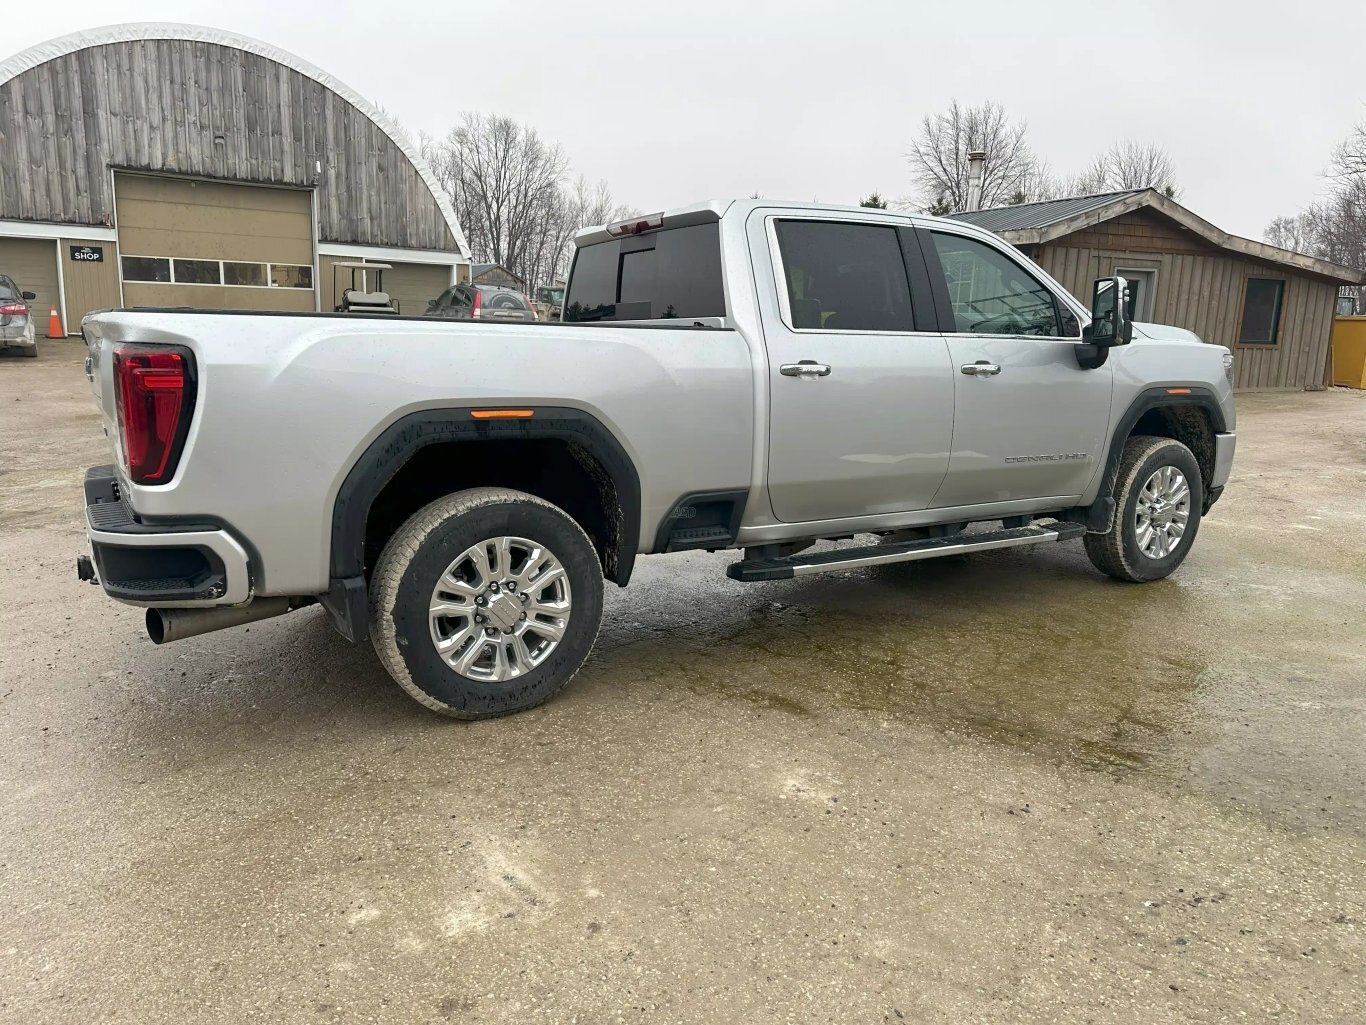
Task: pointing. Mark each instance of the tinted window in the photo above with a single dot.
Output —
(1261, 311)
(675, 273)
(845, 277)
(8, 289)
(991, 294)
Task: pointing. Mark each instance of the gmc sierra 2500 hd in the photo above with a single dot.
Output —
(728, 375)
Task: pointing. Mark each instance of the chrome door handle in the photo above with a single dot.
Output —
(981, 369)
(805, 368)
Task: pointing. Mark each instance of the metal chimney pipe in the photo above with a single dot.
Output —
(977, 160)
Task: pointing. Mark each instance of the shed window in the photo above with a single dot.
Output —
(1261, 311)
(146, 268)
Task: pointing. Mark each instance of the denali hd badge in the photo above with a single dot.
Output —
(1046, 459)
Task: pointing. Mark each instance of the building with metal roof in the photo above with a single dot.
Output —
(1274, 308)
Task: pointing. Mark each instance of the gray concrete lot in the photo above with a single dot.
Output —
(997, 789)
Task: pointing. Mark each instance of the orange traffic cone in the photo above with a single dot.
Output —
(54, 325)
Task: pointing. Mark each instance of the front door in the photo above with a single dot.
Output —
(860, 402)
(1029, 423)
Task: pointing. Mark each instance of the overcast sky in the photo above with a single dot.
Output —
(692, 99)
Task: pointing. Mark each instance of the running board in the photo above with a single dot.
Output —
(753, 570)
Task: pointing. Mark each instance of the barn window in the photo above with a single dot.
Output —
(146, 268)
(244, 273)
(284, 275)
(197, 272)
(1261, 311)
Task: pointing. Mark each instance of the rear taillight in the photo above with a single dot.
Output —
(13, 310)
(154, 394)
(478, 300)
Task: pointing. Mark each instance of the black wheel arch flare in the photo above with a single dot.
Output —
(346, 600)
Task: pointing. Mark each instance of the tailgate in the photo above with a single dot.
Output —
(99, 371)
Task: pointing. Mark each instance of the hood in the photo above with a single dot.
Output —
(1164, 333)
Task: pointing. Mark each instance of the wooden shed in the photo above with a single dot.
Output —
(171, 165)
(1272, 307)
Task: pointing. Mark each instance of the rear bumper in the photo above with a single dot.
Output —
(163, 565)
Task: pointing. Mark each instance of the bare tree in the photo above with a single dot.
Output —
(939, 157)
(1129, 165)
(1335, 228)
(510, 192)
(1291, 233)
(503, 180)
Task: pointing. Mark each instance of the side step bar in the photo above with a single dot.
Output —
(753, 570)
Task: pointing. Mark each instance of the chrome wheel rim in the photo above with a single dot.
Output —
(1162, 512)
(500, 609)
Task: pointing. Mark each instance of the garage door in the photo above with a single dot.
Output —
(32, 263)
(213, 245)
(411, 284)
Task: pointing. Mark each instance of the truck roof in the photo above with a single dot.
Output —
(714, 209)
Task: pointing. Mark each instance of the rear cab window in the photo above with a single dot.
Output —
(669, 274)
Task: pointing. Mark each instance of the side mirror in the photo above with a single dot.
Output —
(28, 297)
(1110, 323)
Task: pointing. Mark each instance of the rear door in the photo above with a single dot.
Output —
(1028, 421)
(860, 382)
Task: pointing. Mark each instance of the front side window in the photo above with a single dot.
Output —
(991, 294)
(844, 277)
(146, 268)
(1261, 311)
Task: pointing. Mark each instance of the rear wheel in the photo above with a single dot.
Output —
(485, 602)
(1158, 498)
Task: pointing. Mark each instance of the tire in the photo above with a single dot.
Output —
(405, 605)
(1121, 553)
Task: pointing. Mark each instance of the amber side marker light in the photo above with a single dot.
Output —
(1178, 391)
(501, 414)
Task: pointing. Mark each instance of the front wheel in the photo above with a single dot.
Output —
(1158, 498)
(485, 602)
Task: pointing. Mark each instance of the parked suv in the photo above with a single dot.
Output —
(16, 320)
(480, 302)
(732, 375)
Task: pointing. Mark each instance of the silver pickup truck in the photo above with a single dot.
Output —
(732, 375)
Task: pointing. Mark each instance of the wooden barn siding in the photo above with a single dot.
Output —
(157, 105)
(1200, 288)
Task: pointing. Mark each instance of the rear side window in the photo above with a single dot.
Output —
(845, 277)
(665, 275)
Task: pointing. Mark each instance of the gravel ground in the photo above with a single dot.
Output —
(996, 789)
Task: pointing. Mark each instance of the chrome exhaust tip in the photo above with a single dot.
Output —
(166, 625)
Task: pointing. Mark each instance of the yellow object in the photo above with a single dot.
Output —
(1349, 351)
